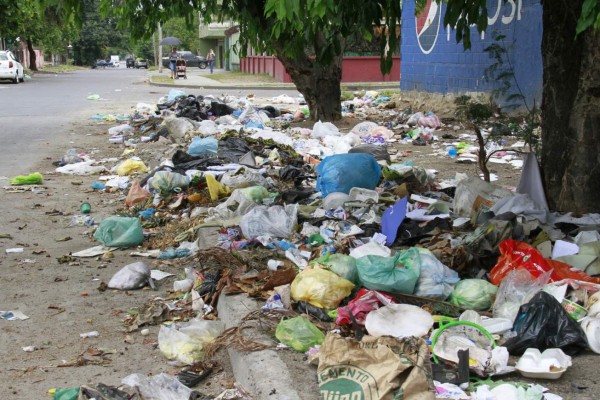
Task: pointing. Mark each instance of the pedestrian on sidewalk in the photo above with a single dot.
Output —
(211, 60)
(172, 59)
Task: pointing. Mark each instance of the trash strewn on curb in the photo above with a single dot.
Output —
(390, 280)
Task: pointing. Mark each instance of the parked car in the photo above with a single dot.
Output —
(130, 62)
(141, 63)
(191, 60)
(10, 68)
(103, 64)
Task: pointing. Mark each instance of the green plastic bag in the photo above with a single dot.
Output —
(66, 394)
(32, 179)
(299, 333)
(474, 294)
(120, 232)
(340, 264)
(390, 274)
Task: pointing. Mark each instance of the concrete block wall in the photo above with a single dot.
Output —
(433, 61)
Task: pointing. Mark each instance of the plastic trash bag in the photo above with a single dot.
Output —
(473, 294)
(168, 181)
(276, 221)
(66, 394)
(132, 276)
(215, 188)
(390, 274)
(178, 127)
(516, 289)
(120, 232)
(321, 288)
(436, 280)
(340, 264)
(131, 166)
(175, 94)
(471, 189)
(186, 342)
(299, 333)
(203, 146)
(364, 128)
(520, 255)
(158, 387)
(322, 129)
(32, 179)
(81, 168)
(136, 194)
(342, 172)
(359, 307)
(543, 323)
(243, 177)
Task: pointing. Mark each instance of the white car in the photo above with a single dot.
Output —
(10, 68)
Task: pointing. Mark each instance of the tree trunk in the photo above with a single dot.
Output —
(32, 58)
(318, 83)
(570, 110)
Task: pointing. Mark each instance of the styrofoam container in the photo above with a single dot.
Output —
(550, 364)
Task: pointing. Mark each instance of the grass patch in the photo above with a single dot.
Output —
(61, 68)
(162, 79)
(390, 92)
(242, 77)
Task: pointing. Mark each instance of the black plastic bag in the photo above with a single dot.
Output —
(543, 323)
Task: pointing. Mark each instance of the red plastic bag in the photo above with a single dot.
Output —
(137, 194)
(519, 255)
(364, 302)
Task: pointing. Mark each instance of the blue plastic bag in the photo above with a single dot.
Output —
(342, 172)
(203, 146)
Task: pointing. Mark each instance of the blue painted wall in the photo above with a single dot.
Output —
(434, 62)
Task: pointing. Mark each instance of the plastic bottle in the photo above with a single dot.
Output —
(85, 208)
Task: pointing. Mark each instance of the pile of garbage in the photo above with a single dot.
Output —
(371, 261)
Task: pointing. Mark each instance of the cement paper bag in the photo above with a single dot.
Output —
(376, 368)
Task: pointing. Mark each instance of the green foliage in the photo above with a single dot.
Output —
(99, 37)
(590, 16)
(189, 36)
(502, 72)
(471, 110)
(286, 28)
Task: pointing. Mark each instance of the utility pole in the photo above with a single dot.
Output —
(155, 52)
(160, 66)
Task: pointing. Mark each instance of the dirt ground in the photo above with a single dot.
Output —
(62, 299)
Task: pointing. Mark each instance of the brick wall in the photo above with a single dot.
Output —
(433, 61)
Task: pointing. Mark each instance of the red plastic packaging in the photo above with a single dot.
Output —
(519, 255)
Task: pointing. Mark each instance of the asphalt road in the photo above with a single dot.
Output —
(41, 113)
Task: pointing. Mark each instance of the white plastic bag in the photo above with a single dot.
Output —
(322, 129)
(186, 342)
(436, 280)
(178, 127)
(158, 387)
(130, 277)
(516, 289)
(276, 221)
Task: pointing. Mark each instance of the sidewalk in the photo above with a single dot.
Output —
(200, 78)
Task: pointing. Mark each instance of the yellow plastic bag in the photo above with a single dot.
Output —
(321, 288)
(215, 188)
(131, 166)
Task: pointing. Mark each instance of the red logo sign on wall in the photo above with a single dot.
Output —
(428, 25)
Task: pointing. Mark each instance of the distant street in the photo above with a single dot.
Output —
(38, 114)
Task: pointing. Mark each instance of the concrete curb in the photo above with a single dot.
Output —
(263, 373)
